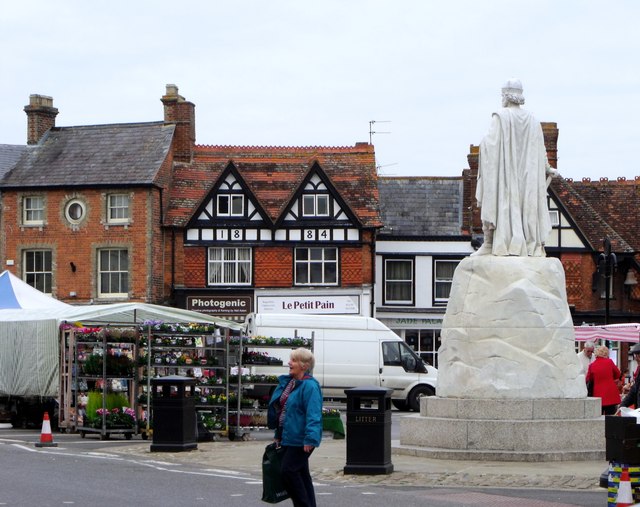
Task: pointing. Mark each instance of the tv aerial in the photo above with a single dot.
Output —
(371, 131)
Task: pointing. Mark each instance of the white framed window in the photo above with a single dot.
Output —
(554, 217)
(118, 208)
(230, 205)
(315, 205)
(442, 279)
(229, 266)
(33, 210)
(398, 281)
(38, 269)
(113, 272)
(75, 211)
(316, 266)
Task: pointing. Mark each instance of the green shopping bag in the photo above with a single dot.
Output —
(272, 487)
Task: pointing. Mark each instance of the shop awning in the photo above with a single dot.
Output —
(612, 332)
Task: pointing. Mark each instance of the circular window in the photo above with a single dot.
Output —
(75, 211)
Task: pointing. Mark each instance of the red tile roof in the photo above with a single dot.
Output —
(605, 208)
(274, 174)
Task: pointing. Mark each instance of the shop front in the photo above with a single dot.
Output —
(420, 331)
(237, 305)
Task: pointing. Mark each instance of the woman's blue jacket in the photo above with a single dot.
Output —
(303, 419)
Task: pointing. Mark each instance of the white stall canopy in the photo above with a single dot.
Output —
(30, 336)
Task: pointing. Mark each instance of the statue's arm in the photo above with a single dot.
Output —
(550, 172)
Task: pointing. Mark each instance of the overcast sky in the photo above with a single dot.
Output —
(301, 73)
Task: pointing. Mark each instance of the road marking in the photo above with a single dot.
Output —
(225, 471)
(227, 474)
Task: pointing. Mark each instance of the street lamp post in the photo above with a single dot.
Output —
(607, 264)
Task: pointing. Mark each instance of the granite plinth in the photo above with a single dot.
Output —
(505, 430)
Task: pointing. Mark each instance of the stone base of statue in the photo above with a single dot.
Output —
(509, 382)
(505, 430)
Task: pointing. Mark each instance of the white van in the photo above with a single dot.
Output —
(351, 351)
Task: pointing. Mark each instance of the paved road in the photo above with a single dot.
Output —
(96, 473)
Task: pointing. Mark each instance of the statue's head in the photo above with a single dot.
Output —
(512, 92)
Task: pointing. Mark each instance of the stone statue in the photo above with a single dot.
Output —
(512, 180)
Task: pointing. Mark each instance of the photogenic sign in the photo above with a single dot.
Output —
(309, 304)
(220, 305)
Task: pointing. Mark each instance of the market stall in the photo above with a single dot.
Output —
(611, 332)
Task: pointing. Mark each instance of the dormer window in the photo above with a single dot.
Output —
(315, 205)
(230, 205)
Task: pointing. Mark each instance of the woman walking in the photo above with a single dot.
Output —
(295, 412)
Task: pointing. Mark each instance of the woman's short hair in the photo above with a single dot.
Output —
(304, 356)
(602, 351)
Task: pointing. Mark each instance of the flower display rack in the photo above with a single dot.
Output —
(104, 363)
(254, 378)
(196, 351)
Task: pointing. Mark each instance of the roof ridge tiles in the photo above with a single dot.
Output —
(357, 148)
(111, 125)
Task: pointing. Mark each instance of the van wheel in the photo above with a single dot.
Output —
(417, 393)
(401, 405)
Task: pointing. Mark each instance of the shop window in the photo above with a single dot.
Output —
(38, 269)
(113, 272)
(425, 343)
(229, 266)
(316, 266)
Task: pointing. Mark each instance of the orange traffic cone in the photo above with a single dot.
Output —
(46, 438)
(625, 496)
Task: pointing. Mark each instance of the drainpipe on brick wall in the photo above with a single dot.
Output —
(372, 305)
(173, 263)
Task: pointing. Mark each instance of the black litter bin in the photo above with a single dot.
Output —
(174, 414)
(368, 431)
(623, 453)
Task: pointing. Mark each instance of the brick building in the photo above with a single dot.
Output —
(82, 208)
(141, 212)
(275, 229)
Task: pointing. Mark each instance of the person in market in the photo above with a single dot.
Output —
(295, 412)
(604, 373)
(585, 356)
(631, 389)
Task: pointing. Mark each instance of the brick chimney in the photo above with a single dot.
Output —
(41, 116)
(472, 224)
(181, 113)
(550, 133)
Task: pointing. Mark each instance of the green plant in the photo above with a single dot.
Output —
(116, 365)
(115, 405)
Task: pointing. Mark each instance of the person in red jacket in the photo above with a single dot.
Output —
(604, 373)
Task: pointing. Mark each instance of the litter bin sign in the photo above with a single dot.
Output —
(368, 431)
(174, 414)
